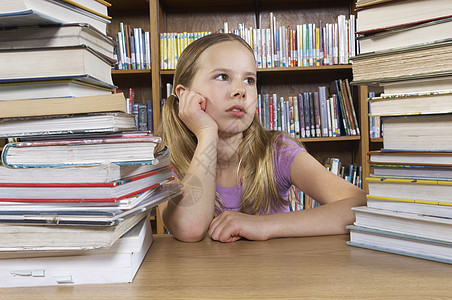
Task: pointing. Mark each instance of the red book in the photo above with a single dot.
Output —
(84, 192)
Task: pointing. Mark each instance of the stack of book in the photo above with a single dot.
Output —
(405, 48)
(77, 181)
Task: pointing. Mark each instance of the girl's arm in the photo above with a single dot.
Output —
(336, 195)
(188, 217)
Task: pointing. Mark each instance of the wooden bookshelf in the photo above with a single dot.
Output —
(160, 16)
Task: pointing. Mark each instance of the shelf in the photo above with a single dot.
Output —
(330, 139)
(289, 69)
(377, 140)
(130, 72)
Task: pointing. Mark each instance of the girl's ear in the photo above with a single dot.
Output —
(180, 89)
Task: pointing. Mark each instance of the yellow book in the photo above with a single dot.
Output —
(427, 190)
(317, 46)
(76, 4)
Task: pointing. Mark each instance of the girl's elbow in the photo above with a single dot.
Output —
(190, 232)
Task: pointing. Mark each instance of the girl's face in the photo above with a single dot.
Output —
(227, 79)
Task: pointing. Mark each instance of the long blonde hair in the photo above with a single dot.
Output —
(259, 189)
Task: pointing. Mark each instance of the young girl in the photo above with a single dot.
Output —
(236, 174)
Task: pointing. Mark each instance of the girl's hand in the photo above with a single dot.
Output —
(231, 226)
(192, 108)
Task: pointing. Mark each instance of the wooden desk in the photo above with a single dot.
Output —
(295, 268)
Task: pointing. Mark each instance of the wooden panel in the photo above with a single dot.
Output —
(206, 19)
(291, 13)
(134, 13)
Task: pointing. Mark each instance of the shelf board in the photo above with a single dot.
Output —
(331, 139)
(289, 69)
(376, 140)
(130, 72)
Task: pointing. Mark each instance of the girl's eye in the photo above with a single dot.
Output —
(222, 77)
(250, 81)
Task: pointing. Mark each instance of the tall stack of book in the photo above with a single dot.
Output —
(406, 49)
(77, 181)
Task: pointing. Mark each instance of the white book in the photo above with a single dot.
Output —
(27, 12)
(403, 244)
(119, 264)
(404, 223)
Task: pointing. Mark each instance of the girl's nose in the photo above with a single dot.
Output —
(238, 90)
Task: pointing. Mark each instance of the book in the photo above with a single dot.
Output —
(427, 158)
(421, 61)
(53, 63)
(402, 244)
(55, 237)
(118, 264)
(404, 223)
(97, 7)
(417, 132)
(85, 215)
(420, 207)
(62, 106)
(69, 88)
(83, 192)
(95, 173)
(431, 190)
(37, 12)
(64, 124)
(436, 102)
(406, 36)
(412, 171)
(57, 35)
(385, 15)
(116, 147)
(422, 85)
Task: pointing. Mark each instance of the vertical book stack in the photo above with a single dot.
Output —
(77, 181)
(406, 48)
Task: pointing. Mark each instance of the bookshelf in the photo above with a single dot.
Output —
(160, 16)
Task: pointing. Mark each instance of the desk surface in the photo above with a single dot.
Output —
(293, 268)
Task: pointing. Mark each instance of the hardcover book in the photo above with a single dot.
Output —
(421, 61)
(36, 12)
(404, 223)
(418, 132)
(95, 215)
(54, 63)
(66, 124)
(403, 244)
(420, 207)
(435, 102)
(427, 158)
(406, 36)
(37, 90)
(55, 237)
(95, 173)
(432, 190)
(57, 35)
(118, 264)
(386, 15)
(83, 192)
(106, 102)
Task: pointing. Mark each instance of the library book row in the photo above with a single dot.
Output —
(279, 46)
(133, 50)
(350, 172)
(311, 114)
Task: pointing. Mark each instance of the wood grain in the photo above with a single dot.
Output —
(291, 268)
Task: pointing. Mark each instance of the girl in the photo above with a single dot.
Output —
(237, 175)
